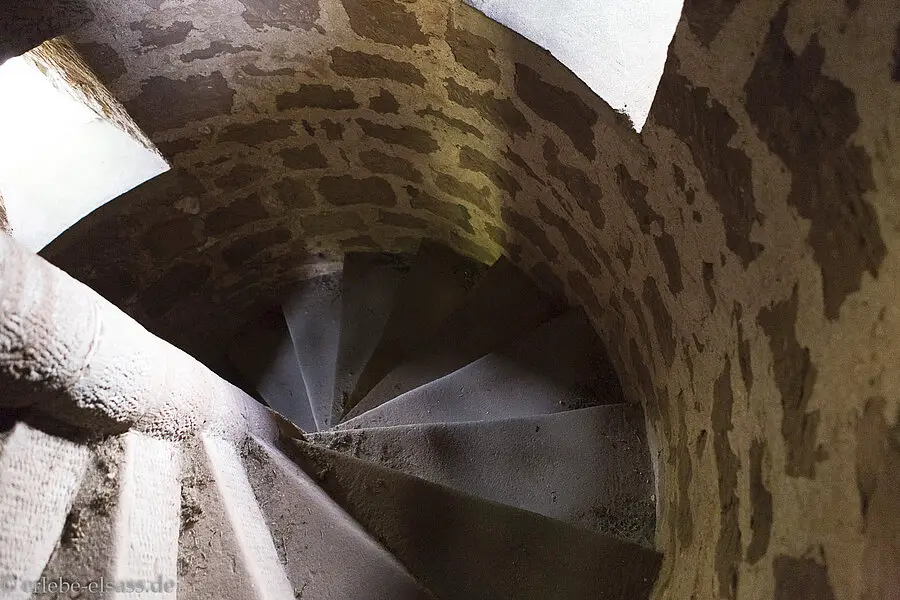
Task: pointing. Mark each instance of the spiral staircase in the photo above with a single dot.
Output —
(435, 429)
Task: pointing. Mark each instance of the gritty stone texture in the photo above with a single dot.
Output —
(769, 162)
(280, 14)
(473, 52)
(317, 96)
(204, 97)
(411, 137)
(385, 21)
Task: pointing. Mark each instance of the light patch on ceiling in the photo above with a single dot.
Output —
(617, 47)
(59, 160)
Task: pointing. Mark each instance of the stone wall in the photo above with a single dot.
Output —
(4, 221)
(25, 24)
(739, 256)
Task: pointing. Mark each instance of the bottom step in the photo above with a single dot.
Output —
(462, 548)
(587, 467)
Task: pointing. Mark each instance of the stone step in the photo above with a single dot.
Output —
(148, 514)
(325, 553)
(369, 287)
(587, 467)
(437, 284)
(247, 552)
(40, 475)
(504, 304)
(85, 552)
(559, 366)
(313, 314)
(264, 355)
(462, 547)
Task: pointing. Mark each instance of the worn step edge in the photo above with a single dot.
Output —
(40, 474)
(462, 547)
(327, 554)
(148, 516)
(437, 284)
(588, 467)
(502, 306)
(254, 539)
(313, 316)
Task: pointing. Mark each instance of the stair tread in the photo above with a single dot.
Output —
(254, 547)
(40, 474)
(504, 304)
(438, 281)
(148, 514)
(369, 287)
(264, 354)
(90, 524)
(462, 547)
(209, 553)
(559, 366)
(313, 314)
(325, 553)
(588, 467)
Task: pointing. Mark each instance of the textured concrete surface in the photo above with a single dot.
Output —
(148, 513)
(68, 353)
(209, 555)
(738, 257)
(461, 547)
(587, 467)
(557, 367)
(254, 545)
(369, 284)
(503, 304)
(85, 551)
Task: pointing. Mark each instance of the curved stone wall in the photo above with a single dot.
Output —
(739, 256)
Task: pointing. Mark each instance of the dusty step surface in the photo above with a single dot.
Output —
(313, 314)
(504, 304)
(368, 289)
(588, 467)
(254, 548)
(209, 554)
(148, 513)
(85, 551)
(462, 547)
(557, 367)
(326, 554)
(40, 475)
(264, 355)
(438, 281)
